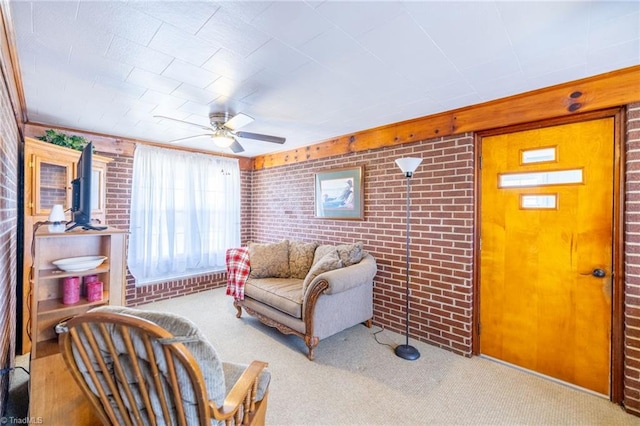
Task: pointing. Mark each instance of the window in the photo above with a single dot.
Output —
(185, 213)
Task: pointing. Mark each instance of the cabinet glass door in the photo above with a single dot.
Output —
(52, 185)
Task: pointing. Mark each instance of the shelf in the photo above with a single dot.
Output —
(55, 306)
(50, 274)
(47, 347)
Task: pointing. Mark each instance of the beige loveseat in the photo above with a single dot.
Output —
(310, 290)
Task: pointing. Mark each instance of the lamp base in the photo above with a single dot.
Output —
(407, 352)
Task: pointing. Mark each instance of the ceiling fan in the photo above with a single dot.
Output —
(223, 130)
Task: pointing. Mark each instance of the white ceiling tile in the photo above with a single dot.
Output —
(194, 94)
(232, 89)
(331, 46)
(613, 57)
(293, 23)
(277, 57)
(190, 74)
(504, 64)
(161, 99)
(504, 85)
(411, 53)
(614, 31)
(184, 46)
(120, 88)
(536, 27)
(189, 16)
(555, 59)
(556, 76)
(137, 55)
(357, 18)
(231, 33)
(245, 10)
(231, 65)
(200, 109)
(88, 65)
(602, 11)
(119, 18)
(483, 35)
(152, 81)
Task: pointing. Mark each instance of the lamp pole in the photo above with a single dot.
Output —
(406, 351)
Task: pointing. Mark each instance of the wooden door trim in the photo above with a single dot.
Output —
(616, 392)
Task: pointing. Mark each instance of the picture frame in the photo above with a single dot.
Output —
(339, 193)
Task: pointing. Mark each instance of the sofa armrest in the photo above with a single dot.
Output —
(343, 279)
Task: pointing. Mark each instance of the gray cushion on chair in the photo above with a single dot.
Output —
(204, 353)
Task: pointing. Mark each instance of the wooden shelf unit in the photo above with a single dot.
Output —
(47, 309)
(48, 171)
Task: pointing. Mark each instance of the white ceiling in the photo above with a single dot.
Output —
(305, 70)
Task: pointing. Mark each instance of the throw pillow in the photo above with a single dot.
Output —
(300, 258)
(350, 254)
(322, 251)
(269, 260)
(329, 262)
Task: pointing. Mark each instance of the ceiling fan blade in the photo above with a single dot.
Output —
(237, 121)
(236, 147)
(260, 137)
(190, 137)
(183, 122)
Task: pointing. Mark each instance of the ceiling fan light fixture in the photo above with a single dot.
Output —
(222, 139)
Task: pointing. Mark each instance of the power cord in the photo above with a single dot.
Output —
(9, 369)
(375, 336)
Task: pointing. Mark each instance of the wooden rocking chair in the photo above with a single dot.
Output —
(146, 368)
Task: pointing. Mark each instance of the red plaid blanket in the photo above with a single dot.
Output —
(238, 268)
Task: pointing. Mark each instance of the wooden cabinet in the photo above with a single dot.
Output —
(47, 309)
(49, 170)
(53, 394)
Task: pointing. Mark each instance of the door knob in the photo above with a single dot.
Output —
(599, 273)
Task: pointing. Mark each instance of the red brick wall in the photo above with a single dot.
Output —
(9, 142)
(441, 230)
(632, 263)
(119, 176)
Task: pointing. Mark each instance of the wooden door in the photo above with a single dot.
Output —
(546, 251)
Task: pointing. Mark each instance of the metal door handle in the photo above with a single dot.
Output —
(599, 273)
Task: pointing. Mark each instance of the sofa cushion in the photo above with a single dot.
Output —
(283, 294)
(350, 254)
(329, 262)
(300, 258)
(269, 260)
(321, 251)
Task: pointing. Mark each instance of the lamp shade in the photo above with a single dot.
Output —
(408, 165)
(222, 139)
(57, 214)
(56, 217)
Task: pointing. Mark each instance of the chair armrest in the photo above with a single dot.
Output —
(250, 383)
(343, 279)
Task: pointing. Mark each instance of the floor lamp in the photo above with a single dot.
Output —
(408, 166)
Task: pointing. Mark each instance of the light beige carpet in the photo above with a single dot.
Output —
(356, 381)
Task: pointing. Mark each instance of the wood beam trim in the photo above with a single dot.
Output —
(608, 90)
(120, 146)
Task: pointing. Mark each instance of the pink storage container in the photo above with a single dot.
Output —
(86, 280)
(70, 290)
(94, 291)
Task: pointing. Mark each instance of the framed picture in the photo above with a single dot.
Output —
(339, 194)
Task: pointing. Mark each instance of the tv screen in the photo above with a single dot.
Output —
(81, 192)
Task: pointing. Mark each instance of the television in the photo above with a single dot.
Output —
(81, 193)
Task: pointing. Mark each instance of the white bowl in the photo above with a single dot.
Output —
(76, 264)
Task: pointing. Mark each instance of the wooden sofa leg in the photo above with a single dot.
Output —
(312, 342)
(238, 308)
(368, 323)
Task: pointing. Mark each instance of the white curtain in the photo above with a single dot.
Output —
(185, 213)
